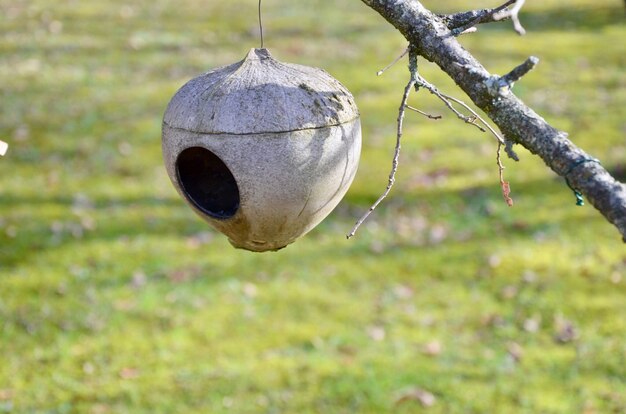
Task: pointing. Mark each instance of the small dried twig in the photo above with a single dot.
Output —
(396, 154)
(514, 15)
(383, 70)
(467, 119)
(473, 119)
(461, 22)
(3, 148)
(427, 115)
(424, 397)
(446, 99)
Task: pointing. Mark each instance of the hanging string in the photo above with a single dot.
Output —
(260, 24)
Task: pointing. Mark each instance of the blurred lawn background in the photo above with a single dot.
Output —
(116, 298)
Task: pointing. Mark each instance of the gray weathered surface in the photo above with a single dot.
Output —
(432, 38)
(289, 134)
(259, 95)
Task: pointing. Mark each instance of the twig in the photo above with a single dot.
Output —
(396, 156)
(461, 22)
(519, 71)
(467, 119)
(3, 148)
(514, 15)
(478, 117)
(446, 99)
(383, 70)
(429, 116)
(474, 116)
(501, 85)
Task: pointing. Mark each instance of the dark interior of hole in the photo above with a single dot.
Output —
(207, 182)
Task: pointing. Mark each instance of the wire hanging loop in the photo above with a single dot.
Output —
(260, 24)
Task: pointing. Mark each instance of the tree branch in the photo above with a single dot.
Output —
(513, 14)
(460, 22)
(431, 37)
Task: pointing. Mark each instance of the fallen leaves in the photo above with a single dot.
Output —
(128, 373)
(401, 291)
(89, 368)
(6, 394)
(533, 324)
(184, 274)
(420, 395)
(199, 239)
(139, 279)
(250, 290)
(515, 350)
(565, 331)
(376, 333)
(432, 348)
(509, 292)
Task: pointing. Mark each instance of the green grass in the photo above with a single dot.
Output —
(116, 298)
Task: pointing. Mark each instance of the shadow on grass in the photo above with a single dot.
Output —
(98, 202)
(542, 207)
(478, 213)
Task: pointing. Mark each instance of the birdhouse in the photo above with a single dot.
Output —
(262, 150)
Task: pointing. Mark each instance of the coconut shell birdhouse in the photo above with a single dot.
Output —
(262, 150)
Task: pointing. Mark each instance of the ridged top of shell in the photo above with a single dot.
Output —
(260, 94)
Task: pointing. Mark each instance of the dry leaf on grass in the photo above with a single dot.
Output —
(433, 348)
(377, 333)
(425, 398)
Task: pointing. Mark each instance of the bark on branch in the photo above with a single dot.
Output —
(433, 39)
(460, 22)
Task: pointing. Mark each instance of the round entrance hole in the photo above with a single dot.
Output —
(207, 182)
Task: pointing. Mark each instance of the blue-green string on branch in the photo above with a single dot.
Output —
(579, 197)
